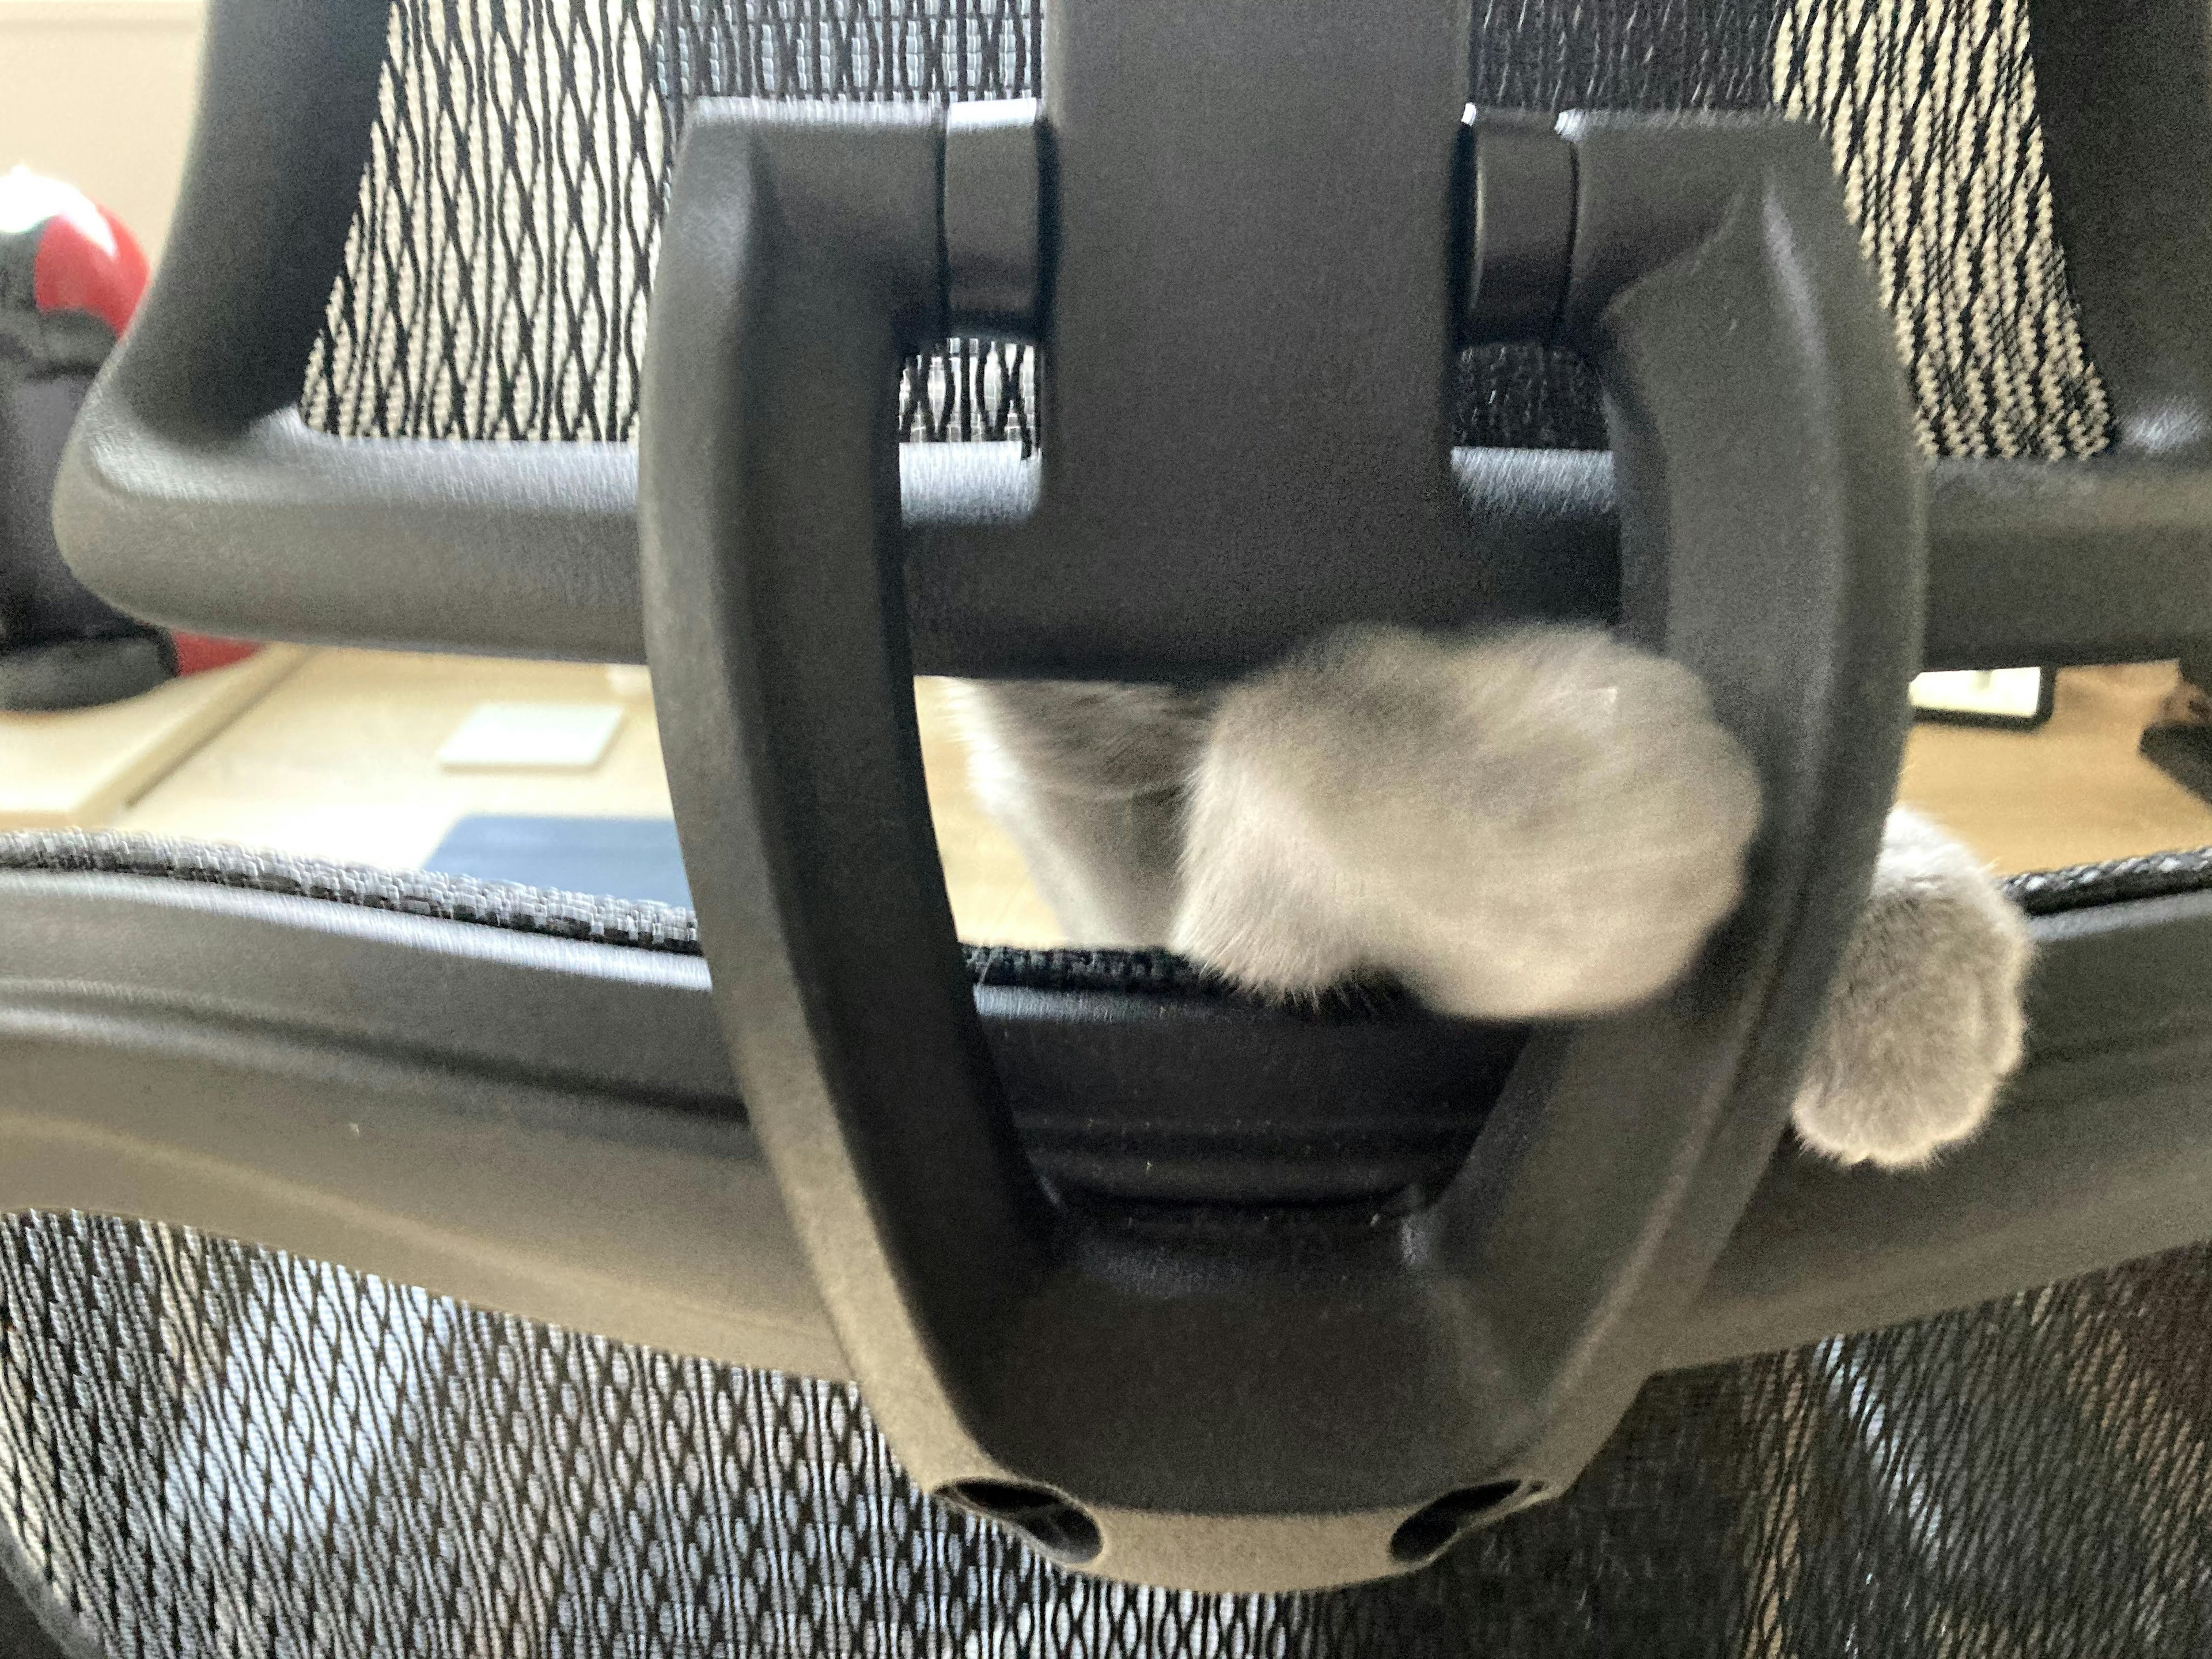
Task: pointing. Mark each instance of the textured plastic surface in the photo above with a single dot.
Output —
(1217, 1401)
(195, 498)
(604, 1070)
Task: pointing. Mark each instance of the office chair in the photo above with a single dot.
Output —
(1134, 1376)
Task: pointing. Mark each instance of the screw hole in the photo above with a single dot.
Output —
(1041, 1515)
(1430, 1531)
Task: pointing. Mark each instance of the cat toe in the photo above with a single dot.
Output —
(1896, 1123)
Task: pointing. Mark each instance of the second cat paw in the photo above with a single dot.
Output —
(1924, 1022)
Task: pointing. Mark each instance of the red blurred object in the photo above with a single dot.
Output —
(197, 653)
(87, 261)
(77, 255)
(79, 258)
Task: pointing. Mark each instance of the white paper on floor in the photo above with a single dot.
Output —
(547, 736)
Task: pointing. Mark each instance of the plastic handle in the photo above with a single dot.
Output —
(1216, 1399)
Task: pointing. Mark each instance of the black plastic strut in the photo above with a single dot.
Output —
(193, 496)
(1218, 1396)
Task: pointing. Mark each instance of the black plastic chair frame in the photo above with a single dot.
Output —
(630, 1194)
(531, 549)
(551, 1126)
(1208, 1405)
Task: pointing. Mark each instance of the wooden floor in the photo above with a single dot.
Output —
(2073, 791)
(340, 761)
(84, 766)
(334, 753)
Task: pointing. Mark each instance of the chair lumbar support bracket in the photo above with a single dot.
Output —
(1208, 1398)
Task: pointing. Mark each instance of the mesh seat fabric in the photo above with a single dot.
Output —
(208, 1450)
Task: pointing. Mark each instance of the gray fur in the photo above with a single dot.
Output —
(1537, 823)
(1525, 824)
(1924, 1021)
(1088, 780)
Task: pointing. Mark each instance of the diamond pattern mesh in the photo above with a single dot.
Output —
(210, 1449)
(1929, 105)
(509, 211)
(496, 276)
(1931, 110)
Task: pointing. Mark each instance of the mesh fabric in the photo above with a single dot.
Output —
(1931, 107)
(496, 276)
(210, 1449)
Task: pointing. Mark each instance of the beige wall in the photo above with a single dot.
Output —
(99, 93)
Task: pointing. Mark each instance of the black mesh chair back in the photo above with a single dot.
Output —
(210, 1447)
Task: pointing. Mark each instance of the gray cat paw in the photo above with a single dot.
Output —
(1540, 822)
(1925, 1020)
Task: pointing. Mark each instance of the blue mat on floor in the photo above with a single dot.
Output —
(611, 858)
